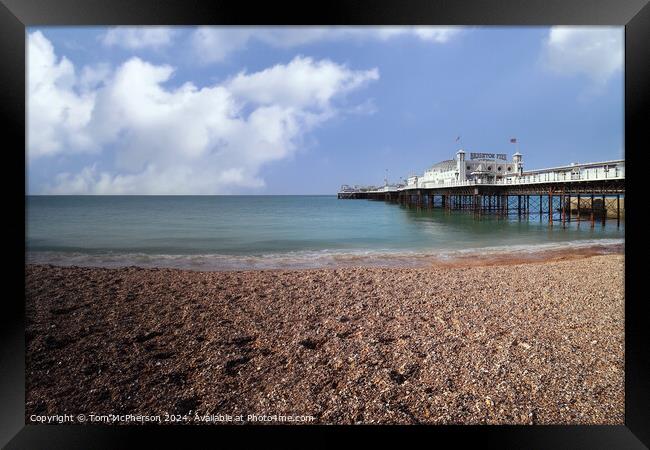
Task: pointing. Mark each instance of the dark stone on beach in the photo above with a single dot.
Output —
(397, 377)
(186, 405)
(103, 394)
(178, 378)
(344, 334)
(65, 310)
(232, 366)
(385, 340)
(52, 342)
(146, 336)
(309, 343)
(242, 341)
(163, 355)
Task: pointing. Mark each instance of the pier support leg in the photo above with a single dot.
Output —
(604, 218)
(550, 209)
(618, 210)
(540, 208)
(592, 210)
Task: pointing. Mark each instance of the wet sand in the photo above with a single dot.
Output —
(540, 342)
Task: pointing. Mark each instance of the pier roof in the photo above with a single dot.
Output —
(445, 165)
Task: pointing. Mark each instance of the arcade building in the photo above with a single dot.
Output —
(479, 167)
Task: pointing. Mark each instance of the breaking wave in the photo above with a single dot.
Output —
(328, 258)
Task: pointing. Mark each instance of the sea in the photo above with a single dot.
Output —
(284, 232)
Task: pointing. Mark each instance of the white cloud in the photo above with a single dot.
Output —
(93, 76)
(56, 113)
(596, 52)
(136, 38)
(215, 44)
(163, 140)
(303, 82)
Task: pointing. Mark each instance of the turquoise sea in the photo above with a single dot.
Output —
(242, 232)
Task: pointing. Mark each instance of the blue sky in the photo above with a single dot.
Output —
(216, 110)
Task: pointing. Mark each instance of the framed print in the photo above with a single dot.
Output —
(357, 218)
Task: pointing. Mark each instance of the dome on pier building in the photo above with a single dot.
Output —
(448, 164)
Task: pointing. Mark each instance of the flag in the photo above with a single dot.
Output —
(458, 139)
(513, 140)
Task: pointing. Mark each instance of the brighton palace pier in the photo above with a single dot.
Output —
(490, 183)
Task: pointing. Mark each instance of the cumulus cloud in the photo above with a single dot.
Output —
(215, 44)
(303, 82)
(57, 114)
(596, 52)
(136, 38)
(185, 139)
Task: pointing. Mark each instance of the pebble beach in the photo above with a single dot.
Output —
(538, 342)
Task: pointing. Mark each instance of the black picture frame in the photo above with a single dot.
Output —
(15, 15)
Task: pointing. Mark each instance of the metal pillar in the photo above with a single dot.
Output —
(578, 209)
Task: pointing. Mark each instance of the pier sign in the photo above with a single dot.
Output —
(488, 156)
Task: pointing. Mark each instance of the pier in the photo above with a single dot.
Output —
(590, 192)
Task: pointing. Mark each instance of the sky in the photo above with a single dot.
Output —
(302, 110)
